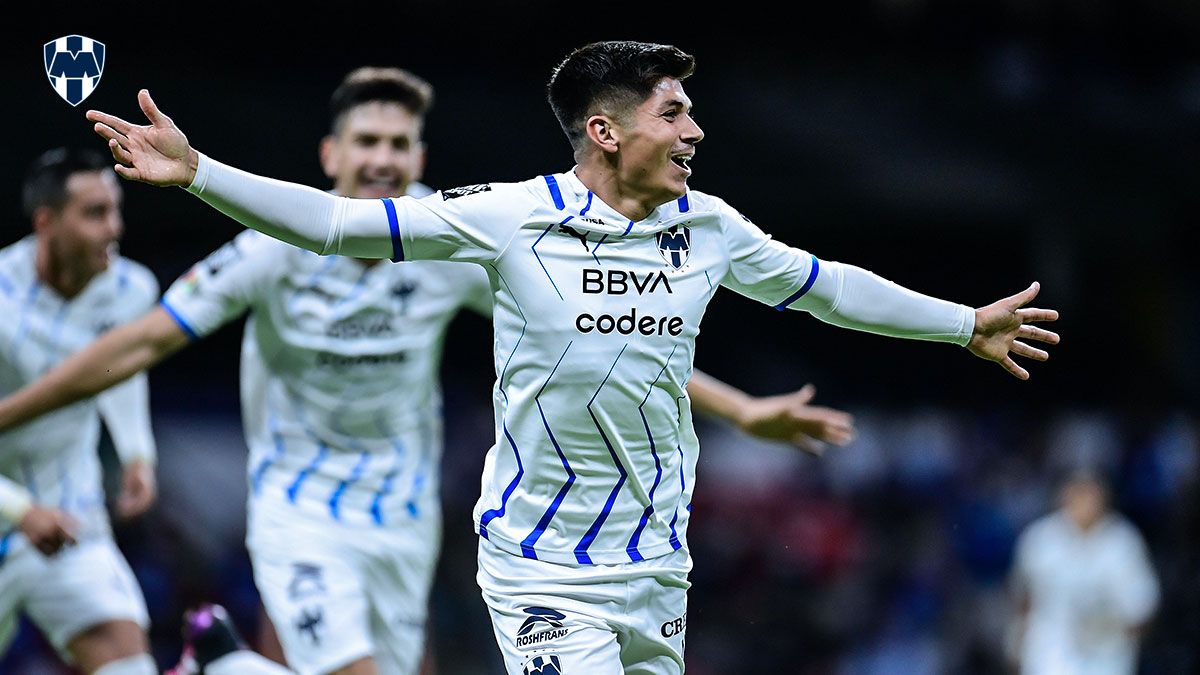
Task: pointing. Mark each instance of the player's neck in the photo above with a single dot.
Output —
(64, 279)
(604, 182)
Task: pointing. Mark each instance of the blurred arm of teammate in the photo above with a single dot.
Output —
(787, 417)
(126, 412)
(114, 357)
(46, 528)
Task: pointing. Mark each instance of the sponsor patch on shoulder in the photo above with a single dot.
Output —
(454, 193)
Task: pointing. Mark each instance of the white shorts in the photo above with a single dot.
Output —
(552, 619)
(336, 594)
(82, 586)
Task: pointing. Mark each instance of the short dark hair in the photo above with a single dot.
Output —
(46, 178)
(389, 85)
(610, 77)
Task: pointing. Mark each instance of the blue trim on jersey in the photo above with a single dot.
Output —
(122, 274)
(684, 206)
(627, 228)
(4, 544)
(294, 489)
(527, 545)
(423, 461)
(257, 474)
(386, 488)
(488, 516)
(394, 227)
(682, 486)
(539, 258)
(555, 193)
(23, 326)
(355, 473)
(183, 325)
(55, 331)
(312, 280)
(812, 277)
(590, 536)
(632, 549)
(492, 514)
(588, 206)
(602, 238)
(359, 284)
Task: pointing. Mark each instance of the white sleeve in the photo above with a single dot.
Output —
(15, 500)
(843, 295)
(474, 223)
(298, 214)
(223, 285)
(125, 409)
(478, 295)
(1138, 589)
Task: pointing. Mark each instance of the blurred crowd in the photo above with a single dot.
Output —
(891, 555)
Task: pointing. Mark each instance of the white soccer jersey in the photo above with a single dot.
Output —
(596, 320)
(54, 459)
(1086, 591)
(339, 372)
(595, 325)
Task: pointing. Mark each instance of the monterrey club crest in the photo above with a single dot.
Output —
(74, 64)
(674, 245)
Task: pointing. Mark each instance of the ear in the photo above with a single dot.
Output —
(603, 132)
(329, 159)
(43, 219)
(421, 157)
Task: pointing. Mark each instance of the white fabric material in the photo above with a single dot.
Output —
(337, 593)
(80, 587)
(623, 619)
(595, 325)
(54, 458)
(14, 502)
(1087, 591)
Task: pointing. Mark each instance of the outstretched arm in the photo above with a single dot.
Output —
(159, 154)
(113, 357)
(787, 417)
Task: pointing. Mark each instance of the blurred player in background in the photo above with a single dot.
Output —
(1084, 586)
(342, 407)
(59, 288)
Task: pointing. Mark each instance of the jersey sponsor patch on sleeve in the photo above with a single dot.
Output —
(222, 257)
(455, 193)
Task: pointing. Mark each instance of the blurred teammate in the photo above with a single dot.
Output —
(600, 276)
(59, 288)
(1084, 585)
(342, 406)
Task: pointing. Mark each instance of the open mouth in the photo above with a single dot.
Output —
(681, 161)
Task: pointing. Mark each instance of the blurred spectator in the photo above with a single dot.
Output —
(1084, 585)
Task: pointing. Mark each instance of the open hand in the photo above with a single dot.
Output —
(157, 153)
(999, 325)
(790, 418)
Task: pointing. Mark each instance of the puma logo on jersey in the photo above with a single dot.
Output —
(581, 236)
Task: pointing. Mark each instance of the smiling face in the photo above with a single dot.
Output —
(82, 234)
(375, 152)
(657, 140)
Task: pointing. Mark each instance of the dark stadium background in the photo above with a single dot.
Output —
(961, 151)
